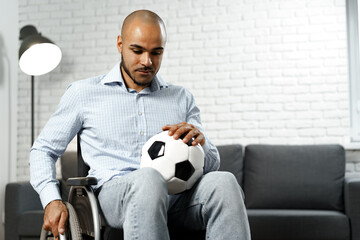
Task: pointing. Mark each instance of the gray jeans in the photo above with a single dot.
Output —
(139, 204)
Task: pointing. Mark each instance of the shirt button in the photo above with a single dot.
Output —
(141, 133)
(140, 113)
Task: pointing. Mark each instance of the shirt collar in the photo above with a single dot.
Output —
(115, 76)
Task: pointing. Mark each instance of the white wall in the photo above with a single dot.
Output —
(262, 71)
(8, 96)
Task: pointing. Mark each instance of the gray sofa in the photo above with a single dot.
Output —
(291, 192)
(299, 192)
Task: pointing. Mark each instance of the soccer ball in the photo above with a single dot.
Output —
(179, 163)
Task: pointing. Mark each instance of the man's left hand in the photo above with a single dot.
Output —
(176, 130)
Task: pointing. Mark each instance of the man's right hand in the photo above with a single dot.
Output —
(55, 217)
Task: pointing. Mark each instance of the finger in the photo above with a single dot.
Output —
(186, 132)
(54, 230)
(49, 226)
(172, 128)
(167, 127)
(200, 139)
(46, 227)
(182, 130)
(54, 223)
(63, 218)
(191, 134)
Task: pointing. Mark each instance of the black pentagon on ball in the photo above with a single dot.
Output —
(156, 150)
(184, 170)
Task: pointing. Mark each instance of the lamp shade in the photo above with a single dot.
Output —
(37, 54)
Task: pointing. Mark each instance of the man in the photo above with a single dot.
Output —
(115, 114)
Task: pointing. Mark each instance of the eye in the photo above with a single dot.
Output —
(137, 51)
(156, 53)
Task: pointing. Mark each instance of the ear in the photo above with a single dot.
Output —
(119, 44)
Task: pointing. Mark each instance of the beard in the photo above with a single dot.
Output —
(142, 84)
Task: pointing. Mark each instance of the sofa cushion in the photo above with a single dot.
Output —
(30, 223)
(298, 225)
(231, 160)
(294, 177)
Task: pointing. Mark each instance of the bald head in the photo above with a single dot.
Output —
(141, 45)
(143, 17)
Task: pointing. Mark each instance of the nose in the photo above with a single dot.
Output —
(146, 59)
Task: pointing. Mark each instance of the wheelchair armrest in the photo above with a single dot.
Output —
(81, 181)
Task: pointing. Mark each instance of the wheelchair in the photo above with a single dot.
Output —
(85, 218)
(86, 221)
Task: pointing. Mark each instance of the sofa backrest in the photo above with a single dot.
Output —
(294, 177)
(231, 160)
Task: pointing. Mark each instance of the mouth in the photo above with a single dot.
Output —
(145, 72)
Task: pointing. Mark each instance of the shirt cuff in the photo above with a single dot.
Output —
(209, 150)
(50, 193)
(212, 158)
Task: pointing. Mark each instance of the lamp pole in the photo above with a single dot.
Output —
(43, 58)
(32, 110)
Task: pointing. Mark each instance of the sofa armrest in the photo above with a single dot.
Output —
(352, 205)
(19, 197)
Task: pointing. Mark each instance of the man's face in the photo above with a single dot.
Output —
(141, 51)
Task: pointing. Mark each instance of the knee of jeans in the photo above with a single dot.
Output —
(151, 179)
(225, 181)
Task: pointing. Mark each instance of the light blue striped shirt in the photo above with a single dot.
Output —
(114, 122)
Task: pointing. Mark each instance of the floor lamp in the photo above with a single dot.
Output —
(38, 55)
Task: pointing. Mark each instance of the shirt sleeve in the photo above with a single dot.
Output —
(61, 128)
(212, 158)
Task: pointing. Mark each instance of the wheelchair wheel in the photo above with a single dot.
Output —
(73, 230)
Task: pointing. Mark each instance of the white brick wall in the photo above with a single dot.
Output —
(266, 71)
